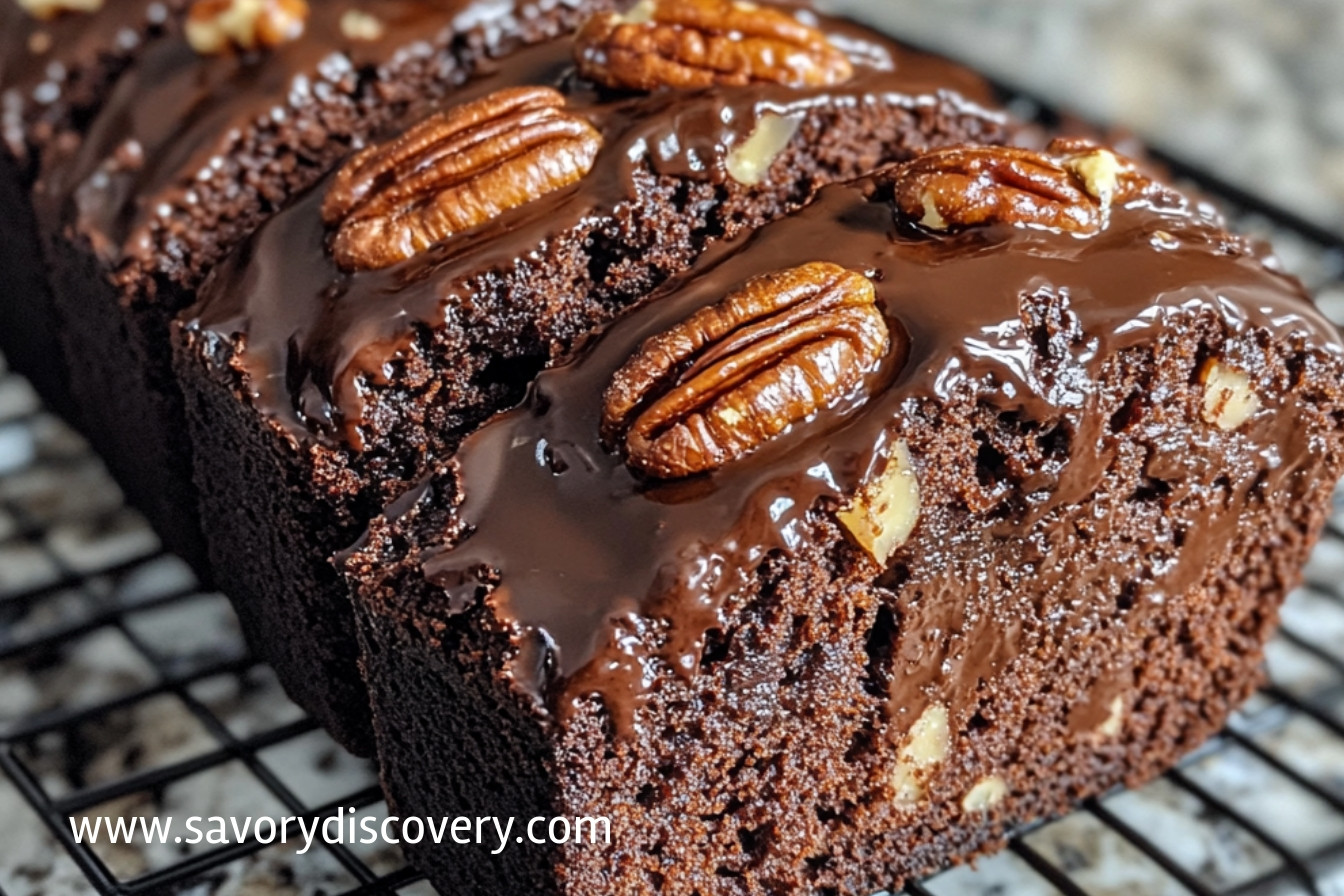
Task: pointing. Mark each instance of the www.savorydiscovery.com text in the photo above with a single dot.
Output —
(494, 832)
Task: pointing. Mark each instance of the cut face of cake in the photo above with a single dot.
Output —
(343, 351)
(205, 134)
(966, 492)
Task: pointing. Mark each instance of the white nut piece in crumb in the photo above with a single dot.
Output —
(884, 512)
(1229, 399)
(216, 26)
(1114, 722)
(750, 161)
(987, 793)
(357, 25)
(926, 747)
(50, 9)
(1099, 170)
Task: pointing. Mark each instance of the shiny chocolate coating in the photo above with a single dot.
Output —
(330, 331)
(585, 563)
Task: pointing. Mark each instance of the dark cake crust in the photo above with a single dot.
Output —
(189, 154)
(54, 74)
(291, 468)
(1098, 559)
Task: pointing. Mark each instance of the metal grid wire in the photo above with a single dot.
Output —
(125, 690)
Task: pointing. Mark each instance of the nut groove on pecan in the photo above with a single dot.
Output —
(454, 171)
(699, 43)
(1069, 187)
(736, 374)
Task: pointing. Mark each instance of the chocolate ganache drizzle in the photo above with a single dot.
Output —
(582, 560)
(176, 111)
(307, 362)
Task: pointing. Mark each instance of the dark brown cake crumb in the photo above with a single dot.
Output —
(188, 153)
(386, 370)
(1117, 483)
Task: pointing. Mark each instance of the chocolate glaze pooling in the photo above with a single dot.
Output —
(175, 111)
(306, 360)
(585, 564)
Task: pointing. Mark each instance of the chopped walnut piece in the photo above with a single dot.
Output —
(749, 161)
(926, 746)
(987, 793)
(884, 512)
(359, 25)
(217, 26)
(1229, 398)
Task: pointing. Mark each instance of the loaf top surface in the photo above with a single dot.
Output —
(292, 306)
(643, 483)
(191, 126)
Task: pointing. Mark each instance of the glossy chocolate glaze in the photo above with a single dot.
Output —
(586, 565)
(175, 112)
(306, 358)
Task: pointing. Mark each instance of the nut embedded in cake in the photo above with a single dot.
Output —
(347, 346)
(868, 643)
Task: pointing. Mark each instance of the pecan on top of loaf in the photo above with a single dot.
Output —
(699, 43)
(663, 480)
(50, 9)
(454, 171)
(217, 26)
(1070, 187)
(767, 356)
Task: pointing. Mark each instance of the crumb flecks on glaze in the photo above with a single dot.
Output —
(399, 364)
(670, 556)
(331, 348)
(187, 113)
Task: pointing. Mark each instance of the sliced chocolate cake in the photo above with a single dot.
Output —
(348, 346)
(205, 135)
(58, 60)
(964, 493)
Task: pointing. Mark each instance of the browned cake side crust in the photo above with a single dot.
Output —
(192, 150)
(1124, 429)
(386, 369)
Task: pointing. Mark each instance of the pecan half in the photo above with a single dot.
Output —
(698, 43)
(738, 373)
(455, 171)
(50, 9)
(1069, 187)
(214, 26)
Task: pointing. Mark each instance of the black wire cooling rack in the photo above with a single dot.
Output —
(127, 691)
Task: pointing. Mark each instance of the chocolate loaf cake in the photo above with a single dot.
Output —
(356, 337)
(205, 135)
(57, 63)
(966, 492)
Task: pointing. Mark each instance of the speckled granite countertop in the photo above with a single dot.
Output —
(1251, 89)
